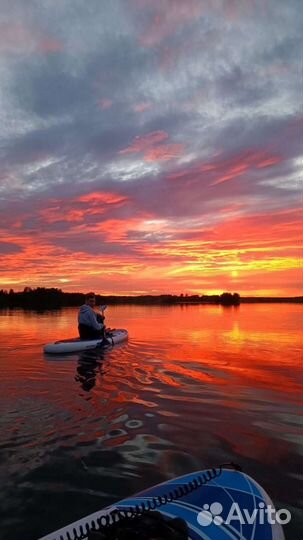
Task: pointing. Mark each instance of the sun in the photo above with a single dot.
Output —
(234, 273)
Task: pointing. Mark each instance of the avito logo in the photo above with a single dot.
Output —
(262, 514)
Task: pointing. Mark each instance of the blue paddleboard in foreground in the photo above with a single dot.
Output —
(217, 504)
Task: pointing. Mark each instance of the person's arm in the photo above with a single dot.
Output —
(93, 320)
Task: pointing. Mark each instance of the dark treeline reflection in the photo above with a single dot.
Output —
(51, 298)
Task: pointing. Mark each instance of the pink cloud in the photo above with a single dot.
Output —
(150, 145)
(269, 162)
(234, 172)
(277, 69)
(164, 152)
(18, 38)
(50, 46)
(105, 103)
(141, 107)
(144, 142)
(167, 16)
(235, 10)
(223, 170)
(247, 161)
(170, 55)
(15, 37)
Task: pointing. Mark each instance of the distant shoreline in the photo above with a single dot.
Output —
(52, 298)
(271, 300)
(254, 300)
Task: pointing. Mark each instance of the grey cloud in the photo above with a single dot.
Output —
(89, 243)
(7, 248)
(47, 89)
(102, 58)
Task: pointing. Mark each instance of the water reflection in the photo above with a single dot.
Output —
(89, 365)
(194, 386)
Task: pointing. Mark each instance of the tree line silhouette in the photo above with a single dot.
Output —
(53, 298)
(43, 298)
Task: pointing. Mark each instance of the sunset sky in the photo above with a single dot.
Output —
(151, 146)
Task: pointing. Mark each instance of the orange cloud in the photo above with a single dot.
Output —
(78, 208)
(56, 213)
(98, 197)
(254, 254)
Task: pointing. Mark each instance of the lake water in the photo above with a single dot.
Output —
(195, 386)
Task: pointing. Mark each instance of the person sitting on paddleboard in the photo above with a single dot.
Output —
(90, 324)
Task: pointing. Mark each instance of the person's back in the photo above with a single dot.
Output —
(88, 325)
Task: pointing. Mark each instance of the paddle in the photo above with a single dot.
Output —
(107, 337)
(102, 309)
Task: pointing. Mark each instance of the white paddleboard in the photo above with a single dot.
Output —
(77, 345)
